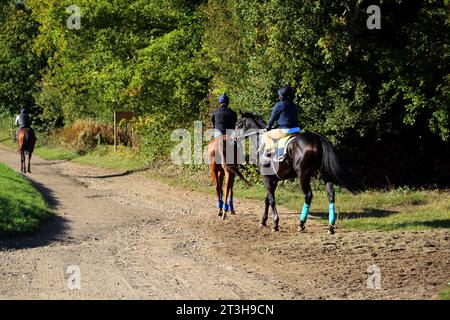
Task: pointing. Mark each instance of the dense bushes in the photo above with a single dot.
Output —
(382, 96)
(153, 136)
(85, 135)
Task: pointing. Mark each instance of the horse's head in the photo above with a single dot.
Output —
(250, 121)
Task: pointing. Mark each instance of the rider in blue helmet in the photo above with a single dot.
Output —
(223, 118)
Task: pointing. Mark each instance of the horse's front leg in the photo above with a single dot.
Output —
(231, 201)
(266, 213)
(271, 186)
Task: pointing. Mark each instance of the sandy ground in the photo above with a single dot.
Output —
(135, 238)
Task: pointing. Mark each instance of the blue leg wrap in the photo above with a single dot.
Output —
(226, 207)
(220, 202)
(231, 204)
(305, 213)
(331, 215)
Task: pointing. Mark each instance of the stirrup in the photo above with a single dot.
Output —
(280, 159)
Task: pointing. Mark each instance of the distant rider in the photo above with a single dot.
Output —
(23, 121)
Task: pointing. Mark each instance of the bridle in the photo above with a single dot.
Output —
(247, 135)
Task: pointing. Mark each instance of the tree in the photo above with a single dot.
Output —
(19, 66)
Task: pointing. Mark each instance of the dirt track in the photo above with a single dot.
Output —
(134, 238)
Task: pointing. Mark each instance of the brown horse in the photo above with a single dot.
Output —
(27, 141)
(224, 170)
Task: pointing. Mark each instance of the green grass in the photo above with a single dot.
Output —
(106, 157)
(21, 206)
(445, 294)
(55, 153)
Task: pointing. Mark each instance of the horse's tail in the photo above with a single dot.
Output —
(23, 140)
(332, 166)
(235, 170)
(27, 140)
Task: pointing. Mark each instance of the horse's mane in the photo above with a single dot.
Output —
(251, 116)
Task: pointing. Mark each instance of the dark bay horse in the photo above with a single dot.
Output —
(27, 141)
(308, 154)
(224, 169)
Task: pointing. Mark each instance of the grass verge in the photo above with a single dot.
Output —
(22, 208)
(106, 157)
(445, 294)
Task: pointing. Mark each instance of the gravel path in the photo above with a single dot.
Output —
(135, 238)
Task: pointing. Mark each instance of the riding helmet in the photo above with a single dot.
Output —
(286, 93)
(224, 99)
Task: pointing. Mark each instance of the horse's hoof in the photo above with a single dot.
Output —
(301, 227)
(275, 229)
(331, 230)
(263, 225)
(233, 213)
(220, 213)
(224, 216)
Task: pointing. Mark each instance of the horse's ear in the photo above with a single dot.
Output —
(241, 114)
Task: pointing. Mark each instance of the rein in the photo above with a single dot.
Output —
(261, 131)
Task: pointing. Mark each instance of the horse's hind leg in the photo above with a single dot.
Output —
(331, 210)
(217, 182)
(229, 182)
(29, 162)
(305, 182)
(22, 162)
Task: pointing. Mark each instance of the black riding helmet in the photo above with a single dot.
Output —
(286, 93)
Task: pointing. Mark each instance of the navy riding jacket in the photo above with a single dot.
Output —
(285, 114)
(23, 121)
(224, 119)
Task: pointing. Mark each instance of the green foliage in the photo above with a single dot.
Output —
(154, 137)
(377, 94)
(21, 206)
(257, 47)
(381, 96)
(128, 55)
(19, 66)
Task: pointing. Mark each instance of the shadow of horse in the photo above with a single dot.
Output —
(365, 213)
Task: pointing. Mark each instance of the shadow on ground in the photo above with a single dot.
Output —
(51, 230)
(365, 213)
(117, 175)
